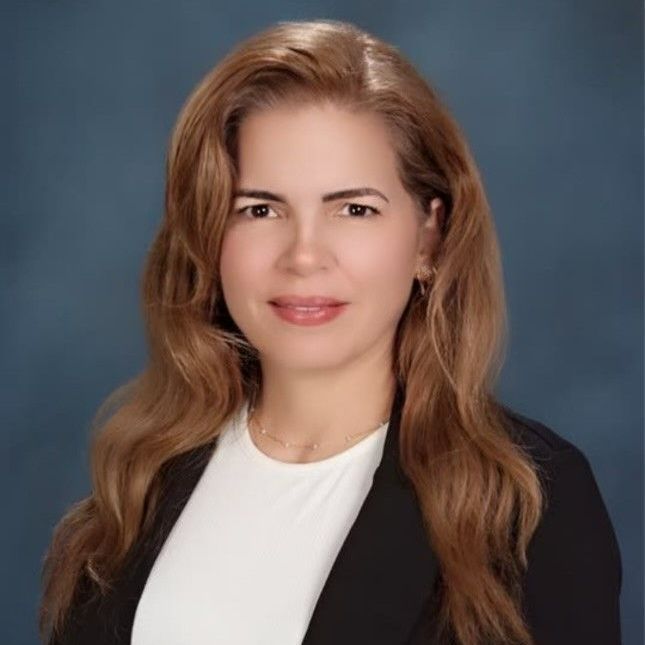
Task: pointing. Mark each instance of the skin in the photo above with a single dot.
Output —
(324, 381)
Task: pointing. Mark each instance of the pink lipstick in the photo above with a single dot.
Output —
(307, 310)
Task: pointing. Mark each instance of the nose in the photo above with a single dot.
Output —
(306, 247)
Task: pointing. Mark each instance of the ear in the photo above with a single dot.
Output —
(430, 232)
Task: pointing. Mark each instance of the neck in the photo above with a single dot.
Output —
(320, 409)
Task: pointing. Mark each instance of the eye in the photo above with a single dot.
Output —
(260, 210)
(360, 209)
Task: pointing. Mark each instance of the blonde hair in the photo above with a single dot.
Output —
(478, 491)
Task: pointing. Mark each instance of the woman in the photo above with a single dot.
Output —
(314, 453)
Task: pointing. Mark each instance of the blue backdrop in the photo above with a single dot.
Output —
(550, 97)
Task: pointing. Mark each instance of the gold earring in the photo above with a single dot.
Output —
(426, 275)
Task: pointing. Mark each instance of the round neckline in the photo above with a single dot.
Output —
(339, 458)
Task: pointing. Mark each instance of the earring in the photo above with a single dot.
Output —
(426, 275)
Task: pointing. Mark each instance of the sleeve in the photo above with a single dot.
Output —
(574, 576)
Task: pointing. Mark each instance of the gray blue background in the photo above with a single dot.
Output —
(550, 97)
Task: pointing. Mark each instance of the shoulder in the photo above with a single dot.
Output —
(561, 465)
(574, 574)
(566, 474)
(569, 483)
(539, 439)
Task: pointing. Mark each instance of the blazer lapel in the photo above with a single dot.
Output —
(385, 571)
(379, 583)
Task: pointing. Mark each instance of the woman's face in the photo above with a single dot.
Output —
(297, 240)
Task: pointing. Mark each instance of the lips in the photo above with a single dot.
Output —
(307, 315)
(306, 301)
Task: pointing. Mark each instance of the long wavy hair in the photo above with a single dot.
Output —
(479, 492)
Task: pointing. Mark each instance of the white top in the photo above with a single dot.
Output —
(250, 552)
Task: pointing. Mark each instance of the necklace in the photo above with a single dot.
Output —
(313, 446)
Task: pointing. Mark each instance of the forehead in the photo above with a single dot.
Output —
(316, 144)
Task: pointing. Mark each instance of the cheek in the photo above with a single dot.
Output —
(241, 262)
(381, 264)
(381, 272)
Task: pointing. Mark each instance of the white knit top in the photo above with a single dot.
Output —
(250, 552)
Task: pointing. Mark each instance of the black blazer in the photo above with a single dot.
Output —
(379, 590)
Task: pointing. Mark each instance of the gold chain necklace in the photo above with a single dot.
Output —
(313, 446)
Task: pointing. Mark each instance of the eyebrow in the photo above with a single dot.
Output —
(327, 197)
